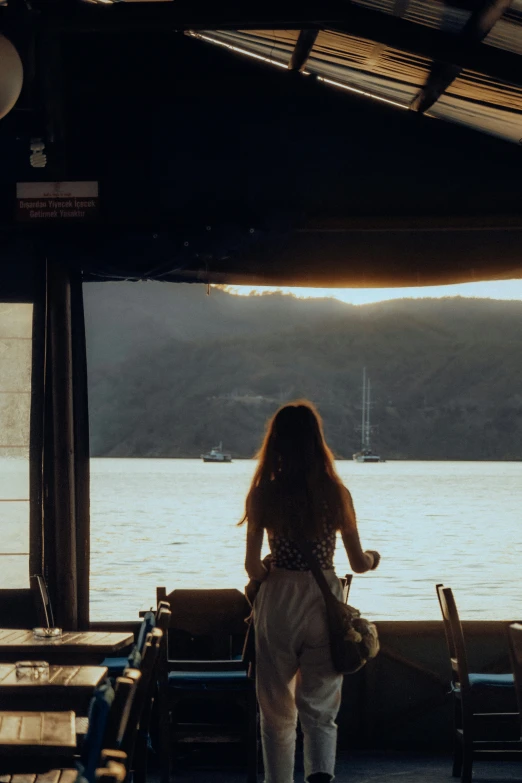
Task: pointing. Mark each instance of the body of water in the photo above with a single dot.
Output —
(173, 523)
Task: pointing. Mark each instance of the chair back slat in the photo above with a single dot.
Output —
(515, 651)
(446, 621)
(124, 693)
(454, 637)
(144, 691)
(147, 624)
(207, 612)
(100, 710)
(136, 654)
(206, 624)
(163, 616)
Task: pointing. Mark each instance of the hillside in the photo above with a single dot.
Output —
(173, 371)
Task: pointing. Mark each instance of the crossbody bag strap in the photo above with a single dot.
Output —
(311, 560)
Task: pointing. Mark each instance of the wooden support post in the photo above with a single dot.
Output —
(81, 450)
(65, 577)
(36, 536)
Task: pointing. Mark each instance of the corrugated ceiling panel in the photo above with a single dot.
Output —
(438, 15)
(371, 57)
(505, 124)
(389, 74)
(507, 33)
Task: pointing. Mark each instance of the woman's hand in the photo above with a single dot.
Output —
(376, 558)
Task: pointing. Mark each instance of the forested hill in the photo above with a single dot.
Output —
(173, 371)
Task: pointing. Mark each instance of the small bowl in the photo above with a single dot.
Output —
(47, 633)
(37, 671)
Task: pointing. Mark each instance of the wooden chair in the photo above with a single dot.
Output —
(515, 651)
(473, 694)
(120, 711)
(155, 695)
(134, 740)
(203, 666)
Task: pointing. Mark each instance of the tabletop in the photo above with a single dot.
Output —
(68, 688)
(37, 732)
(87, 646)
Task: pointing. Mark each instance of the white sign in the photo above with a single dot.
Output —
(56, 201)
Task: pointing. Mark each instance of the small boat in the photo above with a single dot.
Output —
(365, 454)
(217, 455)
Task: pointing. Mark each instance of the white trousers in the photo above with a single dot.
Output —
(294, 674)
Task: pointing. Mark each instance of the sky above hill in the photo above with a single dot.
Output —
(492, 289)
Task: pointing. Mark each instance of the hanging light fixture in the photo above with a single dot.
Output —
(11, 75)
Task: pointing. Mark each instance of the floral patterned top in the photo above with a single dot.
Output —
(285, 554)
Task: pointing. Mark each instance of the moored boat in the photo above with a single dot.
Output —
(366, 455)
(217, 454)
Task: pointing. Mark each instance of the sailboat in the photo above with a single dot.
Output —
(365, 454)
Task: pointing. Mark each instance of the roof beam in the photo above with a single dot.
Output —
(443, 73)
(303, 47)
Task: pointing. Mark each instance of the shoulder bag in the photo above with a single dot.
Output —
(353, 640)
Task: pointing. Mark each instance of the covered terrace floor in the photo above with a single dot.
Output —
(362, 766)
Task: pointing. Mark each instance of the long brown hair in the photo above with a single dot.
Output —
(296, 489)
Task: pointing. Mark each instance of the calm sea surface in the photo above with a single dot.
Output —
(173, 523)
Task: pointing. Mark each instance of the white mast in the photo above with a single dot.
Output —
(367, 433)
(365, 454)
(363, 421)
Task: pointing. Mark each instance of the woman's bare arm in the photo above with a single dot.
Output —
(360, 561)
(253, 563)
(254, 543)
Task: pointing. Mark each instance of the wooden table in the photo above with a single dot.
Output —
(73, 647)
(34, 733)
(68, 688)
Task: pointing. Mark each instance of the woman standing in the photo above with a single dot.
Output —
(297, 494)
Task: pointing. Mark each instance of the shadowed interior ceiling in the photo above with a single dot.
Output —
(282, 148)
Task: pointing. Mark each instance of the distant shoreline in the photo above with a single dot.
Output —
(337, 459)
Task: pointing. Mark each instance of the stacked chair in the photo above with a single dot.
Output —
(203, 672)
(473, 695)
(135, 742)
(125, 734)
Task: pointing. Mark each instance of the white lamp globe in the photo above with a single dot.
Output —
(11, 76)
